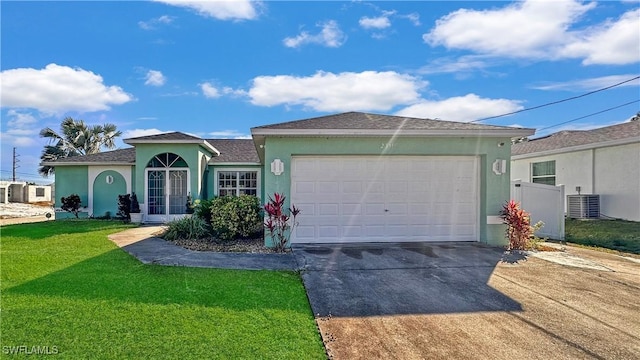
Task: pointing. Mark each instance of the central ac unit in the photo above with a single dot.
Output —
(583, 206)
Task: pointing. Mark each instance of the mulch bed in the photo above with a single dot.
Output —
(255, 246)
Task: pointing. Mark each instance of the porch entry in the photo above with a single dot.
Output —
(168, 187)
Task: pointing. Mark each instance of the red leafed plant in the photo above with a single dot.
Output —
(519, 229)
(278, 224)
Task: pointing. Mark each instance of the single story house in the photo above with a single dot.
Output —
(23, 192)
(355, 176)
(603, 161)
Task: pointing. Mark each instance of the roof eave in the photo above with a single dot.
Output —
(629, 140)
(203, 143)
(512, 132)
(82, 163)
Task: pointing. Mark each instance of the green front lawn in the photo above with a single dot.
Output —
(611, 234)
(66, 286)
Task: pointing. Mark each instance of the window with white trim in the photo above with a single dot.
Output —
(40, 191)
(544, 172)
(236, 183)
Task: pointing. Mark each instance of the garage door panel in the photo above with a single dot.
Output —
(386, 198)
(397, 208)
(304, 187)
(328, 232)
(352, 187)
(351, 209)
(373, 231)
(374, 209)
(328, 209)
(351, 231)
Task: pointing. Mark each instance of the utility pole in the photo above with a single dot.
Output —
(15, 163)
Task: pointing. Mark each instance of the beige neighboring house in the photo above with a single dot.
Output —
(20, 191)
(603, 161)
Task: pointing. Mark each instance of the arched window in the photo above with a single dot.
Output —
(167, 160)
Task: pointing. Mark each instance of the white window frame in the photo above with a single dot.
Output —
(218, 171)
(554, 176)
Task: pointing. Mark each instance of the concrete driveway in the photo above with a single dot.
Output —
(463, 300)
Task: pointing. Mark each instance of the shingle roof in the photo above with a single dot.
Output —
(127, 155)
(166, 136)
(366, 121)
(234, 150)
(231, 151)
(566, 139)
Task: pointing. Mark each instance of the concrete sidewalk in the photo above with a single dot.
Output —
(144, 244)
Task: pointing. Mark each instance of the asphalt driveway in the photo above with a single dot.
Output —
(464, 300)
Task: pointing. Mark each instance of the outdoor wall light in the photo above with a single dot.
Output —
(499, 166)
(277, 167)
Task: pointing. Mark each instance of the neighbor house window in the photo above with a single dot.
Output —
(39, 191)
(544, 172)
(236, 183)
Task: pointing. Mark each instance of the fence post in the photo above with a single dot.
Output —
(560, 205)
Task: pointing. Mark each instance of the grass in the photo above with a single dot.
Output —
(65, 285)
(617, 235)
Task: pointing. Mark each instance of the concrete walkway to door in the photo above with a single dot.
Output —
(469, 301)
(144, 244)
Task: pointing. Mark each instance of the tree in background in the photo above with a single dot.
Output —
(76, 138)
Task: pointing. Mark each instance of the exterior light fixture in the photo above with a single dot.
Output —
(277, 167)
(499, 166)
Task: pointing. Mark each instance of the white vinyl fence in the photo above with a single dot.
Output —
(545, 203)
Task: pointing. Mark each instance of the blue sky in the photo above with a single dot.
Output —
(216, 69)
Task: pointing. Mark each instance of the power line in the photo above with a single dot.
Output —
(592, 114)
(558, 101)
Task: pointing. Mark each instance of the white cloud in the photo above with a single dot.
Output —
(523, 29)
(612, 42)
(221, 10)
(233, 92)
(329, 36)
(348, 91)
(229, 134)
(209, 91)
(460, 108)
(155, 78)
(413, 17)
(541, 30)
(380, 22)
(153, 23)
(21, 130)
(133, 133)
(58, 89)
(465, 63)
(589, 84)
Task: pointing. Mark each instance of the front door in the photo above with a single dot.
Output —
(167, 194)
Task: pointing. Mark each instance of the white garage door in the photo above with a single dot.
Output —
(385, 198)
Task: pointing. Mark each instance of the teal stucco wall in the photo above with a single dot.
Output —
(105, 195)
(494, 189)
(191, 153)
(71, 180)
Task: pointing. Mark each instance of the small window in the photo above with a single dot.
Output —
(544, 172)
(237, 183)
(40, 191)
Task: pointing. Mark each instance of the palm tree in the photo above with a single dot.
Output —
(76, 138)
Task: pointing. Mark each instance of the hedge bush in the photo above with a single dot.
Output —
(236, 217)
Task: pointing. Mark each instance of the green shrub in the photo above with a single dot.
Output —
(191, 227)
(236, 217)
(202, 209)
(71, 203)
